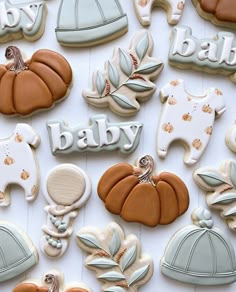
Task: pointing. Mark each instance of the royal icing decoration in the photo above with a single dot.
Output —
(126, 79)
(174, 9)
(53, 281)
(100, 135)
(220, 188)
(188, 119)
(83, 23)
(219, 12)
(122, 187)
(211, 55)
(18, 253)
(18, 163)
(25, 20)
(230, 138)
(67, 188)
(116, 259)
(200, 254)
(47, 74)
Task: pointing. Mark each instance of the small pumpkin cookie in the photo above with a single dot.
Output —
(33, 85)
(137, 195)
(52, 281)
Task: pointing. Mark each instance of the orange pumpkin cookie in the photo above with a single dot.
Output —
(26, 87)
(137, 195)
(51, 282)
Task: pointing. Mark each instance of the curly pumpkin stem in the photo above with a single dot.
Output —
(14, 53)
(53, 281)
(147, 164)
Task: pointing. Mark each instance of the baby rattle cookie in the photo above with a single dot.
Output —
(25, 20)
(47, 74)
(230, 138)
(126, 79)
(116, 259)
(220, 188)
(89, 23)
(53, 281)
(219, 12)
(174, 9)
(122, 188)
(18, 163)
(18, 254)
(188, 119)
(67, 188)
(200, 254)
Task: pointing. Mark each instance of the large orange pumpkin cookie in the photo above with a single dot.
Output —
(137, 195)
(26, 87)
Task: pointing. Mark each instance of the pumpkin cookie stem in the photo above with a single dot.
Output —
(14, 53)
(147, 163)
(53, 280)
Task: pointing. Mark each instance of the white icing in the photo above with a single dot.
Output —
(209, 51)
(228, 51)
(62, 140)
(230, 138)
(131, 133)
(188, 119)
(183, 46)
(86, 139)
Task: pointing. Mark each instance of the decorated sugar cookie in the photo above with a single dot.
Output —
(47, 74)
(127, 77)
(219, 12)
(67, 188)
(122, 188)
(116, 259)
(200, 254)
(214, 55)
(22, 20)
(100, 135)
(86, 23)
(230, 138)
(18, 253)
(53, 281)
(188, 119)
(220, 187)
(174, 10)
(18, 163)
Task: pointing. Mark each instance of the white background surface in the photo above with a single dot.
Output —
(74, 110)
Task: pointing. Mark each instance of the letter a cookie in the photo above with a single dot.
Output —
(188, 119)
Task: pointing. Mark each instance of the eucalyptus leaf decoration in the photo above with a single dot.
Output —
(220, 186)
(116, 259)
(127, 78)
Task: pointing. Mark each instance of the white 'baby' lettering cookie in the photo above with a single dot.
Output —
(188, 119)
(174, 9)
(127, 78)
(66, 189)
(230, 138)
(18, 163)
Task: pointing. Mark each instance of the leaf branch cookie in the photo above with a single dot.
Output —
(220, 187)
(53, 281)
(137, 195)
(188, 119)
(126, 79)
(116, 259)
(18, 163)
(174, 9)
(67, 188)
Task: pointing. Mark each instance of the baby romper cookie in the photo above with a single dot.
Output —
(18, 163)
(220, 188)
(25, 20)
(214, 55)
(187, 119)
(66, 189)
(47, 74)
(87, 23)
(116, 259)
(126, 79)
(230, 138)
(100, 135)
(200, 254)
(174, 9)
(122, 188)
(53, 281)
(219, 12)
(18, 253)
